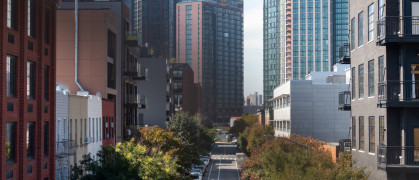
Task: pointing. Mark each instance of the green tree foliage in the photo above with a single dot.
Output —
(240, 125)
(253, 137)
(282, 159)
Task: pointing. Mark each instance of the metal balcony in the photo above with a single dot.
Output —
(398, 94)
(398, 158)
(143, 102)
(131, 38)
(344, 101)
(143, 75)
(65, 147)
(398, 29)
(344, 55)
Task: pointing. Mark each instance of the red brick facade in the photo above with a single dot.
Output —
(41, 51)
(108, 120)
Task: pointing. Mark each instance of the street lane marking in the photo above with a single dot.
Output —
(212, 164)
(219, 169)
(237, 168)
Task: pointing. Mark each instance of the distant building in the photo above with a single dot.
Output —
(253, 103)
(154, 92)
(310, 107)
(209, 37)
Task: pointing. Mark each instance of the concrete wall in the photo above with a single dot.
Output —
(78, 121)
(155, 89)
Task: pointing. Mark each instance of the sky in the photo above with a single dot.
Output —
(253, 46)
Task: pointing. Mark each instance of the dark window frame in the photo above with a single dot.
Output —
(371, 80)
(353, 132)
(361, 81)
(361, 28)
(381, 141)
(31, 18)
(381, 69)
(361, 133)
(11, 14)
(30, 140)
(11, 76)
(30, 80)
(353, 79)
(46, 139)
(46, 83)
(371, 122)
(11, 138)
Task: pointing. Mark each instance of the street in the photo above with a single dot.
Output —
(223, 163)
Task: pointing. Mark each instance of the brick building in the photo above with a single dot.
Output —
(27, 93)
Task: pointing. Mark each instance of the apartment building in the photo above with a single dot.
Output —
(301, 37)
(310, 107)
(209, 37)
(27, 93)
(384, 56)
(186, 94)
(108, 123)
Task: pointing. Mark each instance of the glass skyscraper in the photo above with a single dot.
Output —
(209, 37)
(310, 33)
(271, 45)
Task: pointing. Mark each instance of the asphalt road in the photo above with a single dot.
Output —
(223, 163)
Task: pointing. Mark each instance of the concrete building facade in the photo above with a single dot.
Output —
(310, 107)
(94, 125)
(186, 96)
(209, 37)
(27, 93)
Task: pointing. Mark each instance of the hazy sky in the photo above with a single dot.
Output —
(253, 46)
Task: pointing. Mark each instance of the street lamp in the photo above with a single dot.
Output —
(289, 140)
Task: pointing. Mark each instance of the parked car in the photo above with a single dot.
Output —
(204, 161)
(202, 167)
(195, 173)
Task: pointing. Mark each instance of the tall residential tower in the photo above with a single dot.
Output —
(301, 36)
(209, 37)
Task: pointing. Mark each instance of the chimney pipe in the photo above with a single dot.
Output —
(76, 41)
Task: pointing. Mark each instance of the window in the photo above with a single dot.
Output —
(381, 69)
(380, 9)
(361, 80)
(353, 83)
(31, 17)
(10, 142)
(30, 80)
(29, 169)
(46, 83)
(371, 121)
(111, 44)
(354, 132)
(46, 142)
(47, 25)
(371, 22)
(9, 174)
(352, 33)
(381, 129)
(11, 14)
(361, 133)
(30, 140)
(360, 29)
(371, 84)
(11, 76)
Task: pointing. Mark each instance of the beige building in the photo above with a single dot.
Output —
(78, 116)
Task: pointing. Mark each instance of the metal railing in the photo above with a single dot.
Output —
(65, 147)
(345, 100)
(398, 91)
(398, 156)
(397, 27)
(344, 55)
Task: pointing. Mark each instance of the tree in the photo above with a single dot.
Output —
(241, 124)
(281, 159)
(184, 126)
(253, 137)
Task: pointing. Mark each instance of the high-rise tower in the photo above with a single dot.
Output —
(209, 37)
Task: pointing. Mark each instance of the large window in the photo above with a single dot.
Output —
(46, 136)
(30, 140)
(371, 121)
(352, 33)
(381, 69)
(30, 80)
(354, 132)
(11, 76)
(10, 142)
(31, 17)
(111, 44)
(381, 131)
(371, 84)
(380, 9)
(371, 22)
(46, 83)
(47, 25)
(12, 14)
(361, 80)
(361, 133)
(353, 83)
(361, 29)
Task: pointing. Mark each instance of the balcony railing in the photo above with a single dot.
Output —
(143, 102)
(345, 101)
(398, 156)
(344, 55)
(131, 38)
(398, 29)
(398, 94)
(65, 147)
(143, 75)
